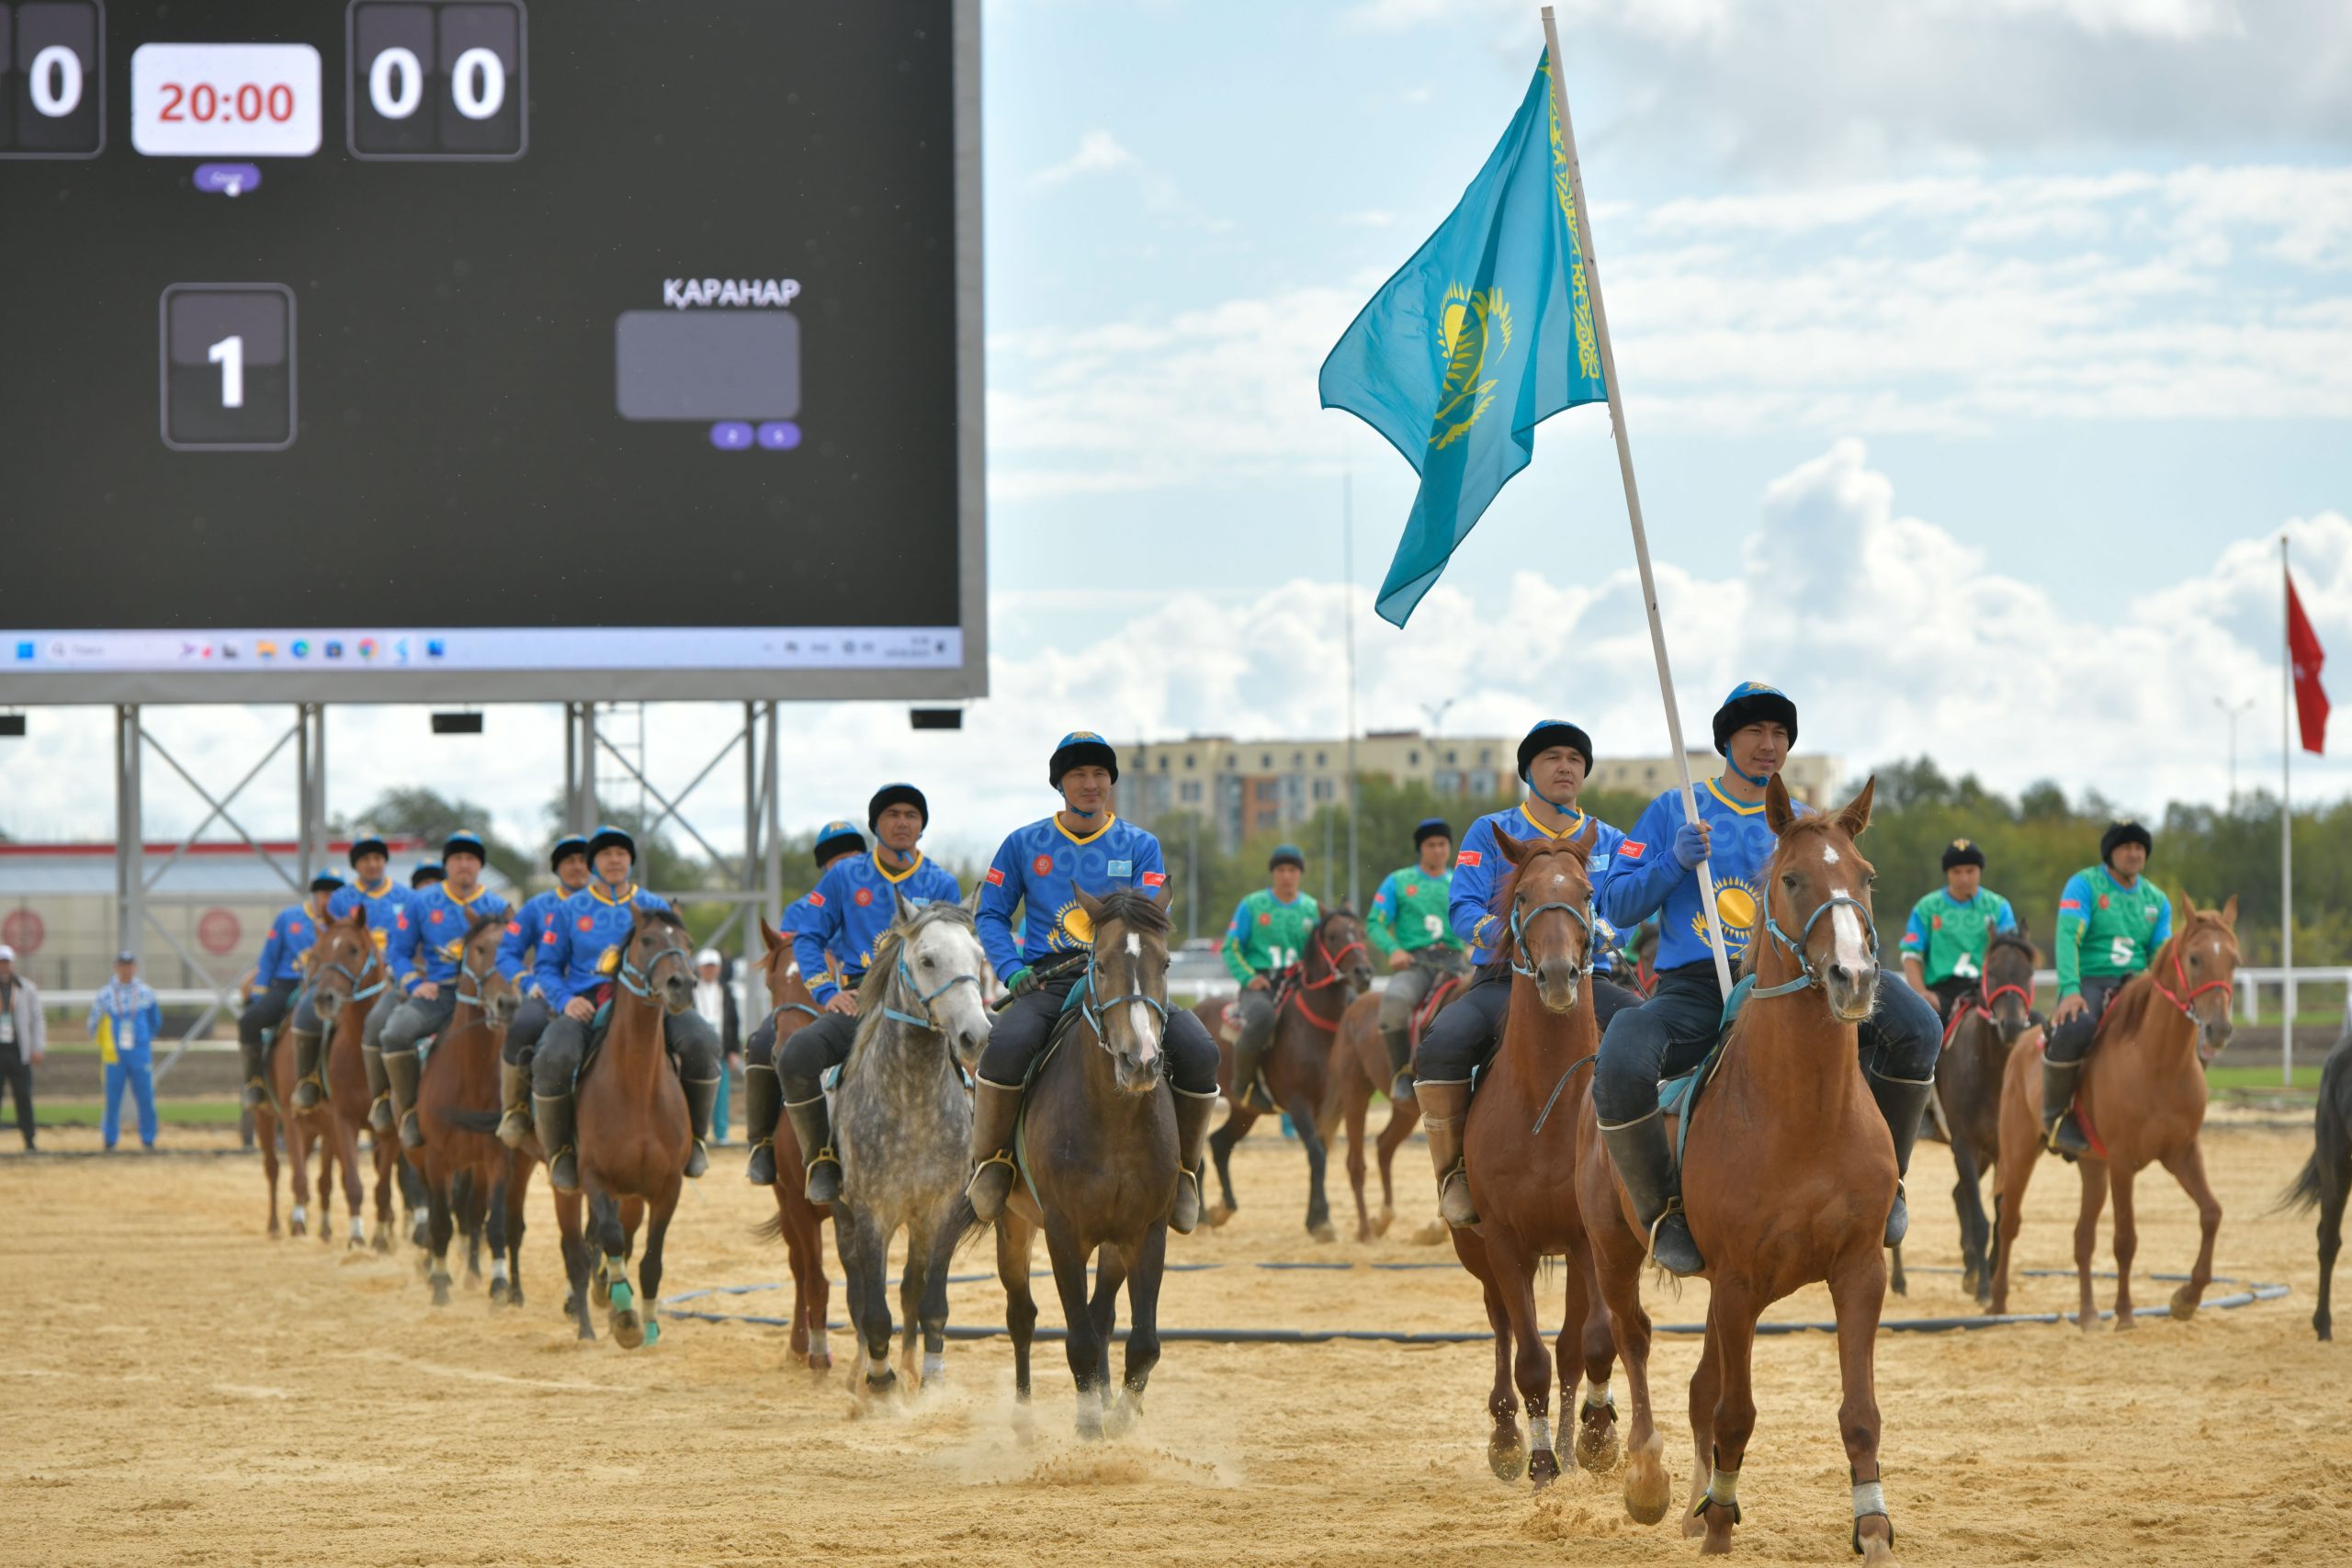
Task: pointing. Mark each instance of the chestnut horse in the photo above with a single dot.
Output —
(1968, 1086)
(1520, 1151)
(799, 1222)
(303, 1130)
(1335, 969)
(633, 1131)
(1787, 1175)
(348, 980)
(2142, 1101)
(461, 1162)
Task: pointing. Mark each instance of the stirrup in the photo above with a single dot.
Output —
(1189, 1181)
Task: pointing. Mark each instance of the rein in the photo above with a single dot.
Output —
(1807, 975)
(1298, 989)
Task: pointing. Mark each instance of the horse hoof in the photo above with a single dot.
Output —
(440, 1289)
(1323, 1233)
(572, 1303)
(2184, 1304)
(381, 1245)
(1379, 1226)
(513, 1295)
(273, 1230)
(1507, 1454)
(1877, 1553)
(1542, 1468)
(1597, 1449)
(498, 1292)
(1649, 1491)
(821, 1361)
(628, 1329)
(882, 1381)
(1219, 1215)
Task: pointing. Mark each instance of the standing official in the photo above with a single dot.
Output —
(23, 1037)
(124, 1019)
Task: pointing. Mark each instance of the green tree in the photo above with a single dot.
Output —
(429, 815)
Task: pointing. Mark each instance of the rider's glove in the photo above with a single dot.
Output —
(1689, 845)
(1024, 981)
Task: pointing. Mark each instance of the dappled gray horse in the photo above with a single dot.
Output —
(902, 1124)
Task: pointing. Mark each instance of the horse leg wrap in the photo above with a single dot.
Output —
(1869, 1497)
(1722, 1492)
(1539, 1434)
(1597, 1399)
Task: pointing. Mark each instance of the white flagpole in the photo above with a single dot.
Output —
(2286, 822)
(1633, 495)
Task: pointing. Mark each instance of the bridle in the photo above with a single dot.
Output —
(2181, 974)
(1520, 919)
(1334, 974)
(1807, 975)
(477, 976)
(905, 980)
(1093, 1009)
(375, 962)
(639, 982)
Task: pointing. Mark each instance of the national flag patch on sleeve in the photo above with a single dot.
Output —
(2073, 903)
(514, 928)
(1155, 879)
(817, 899)
(1632, 849)
(995, 877)
(1467, 857)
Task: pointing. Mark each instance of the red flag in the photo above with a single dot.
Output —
(2303, 646)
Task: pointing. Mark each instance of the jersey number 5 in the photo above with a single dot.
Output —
(2120, 953)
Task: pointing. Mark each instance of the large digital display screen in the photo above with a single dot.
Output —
(478, 349)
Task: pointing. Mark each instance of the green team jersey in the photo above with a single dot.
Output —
(1268, 934)
(2106, 929)
(1949, 938)
(1408, 913)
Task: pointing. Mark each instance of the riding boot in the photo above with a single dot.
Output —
(2059, 1129)
(1903, 1101)
(514, 1094)
(380, 1089)
(1444, 1107)
(814, 1128)
(1249, 1068)
(553, 1115)
(1192, 1113)
(702, 1094)
(1400, 1042)
(401, 1071)
(1645, 1166)
(996, 1113)
(763, 1104)
(256, 1088)
(307, 1076)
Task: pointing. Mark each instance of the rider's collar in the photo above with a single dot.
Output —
(597, 890)
(913, 865)
(375, 891)
(1565, 810)
(2121, 885)
(1715, 787)
(1108, 817)
(479, 889)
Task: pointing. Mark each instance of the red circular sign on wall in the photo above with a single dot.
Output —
(23, 931)
(217, 931)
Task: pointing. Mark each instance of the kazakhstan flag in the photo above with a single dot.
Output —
(1483, 335)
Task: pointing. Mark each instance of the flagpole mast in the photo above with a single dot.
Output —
(2285, 821)
(1632, 494)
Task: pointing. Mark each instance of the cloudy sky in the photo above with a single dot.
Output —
(1977, 353)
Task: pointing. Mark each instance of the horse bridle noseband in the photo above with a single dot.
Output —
(639, 982)
(1331, 960)
(2181, 971)
(906, 978)
(1518, 918)
(1093, 1009)
(375, 961)
(1807, 975)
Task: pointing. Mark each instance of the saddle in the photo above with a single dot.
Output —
(1678, 1096)
(1449, 982)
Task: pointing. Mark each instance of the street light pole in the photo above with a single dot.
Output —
(2232, 710)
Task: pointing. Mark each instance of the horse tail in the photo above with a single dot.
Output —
(769, 1229)
(2303, 1194)
(471, 1121)
(960, 1229)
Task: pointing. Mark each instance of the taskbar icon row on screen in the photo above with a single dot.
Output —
(567, 648)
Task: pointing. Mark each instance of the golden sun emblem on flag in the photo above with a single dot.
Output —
(1473, 333)
(1072, 929)
(1737, 907)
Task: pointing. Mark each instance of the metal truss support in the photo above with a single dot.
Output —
(580, 765)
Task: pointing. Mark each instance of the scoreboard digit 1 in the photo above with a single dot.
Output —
(52, 79)
(436, 81)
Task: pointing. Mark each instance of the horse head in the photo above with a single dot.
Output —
(1819, 887)
(497, 996)
(1126, 982)
(1549, 932)
(2007, 985)
(779, 970)
(2204, 964)
(940, 971)
(655, 963)
(1341, 949)
(342, 952)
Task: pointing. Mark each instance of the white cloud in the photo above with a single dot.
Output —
(1371, 217)
(1098, 152)
(1897, 639)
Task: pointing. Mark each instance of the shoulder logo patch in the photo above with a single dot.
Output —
(1155, 879)
(995, 877)
(1120, 868)
(1467, 857)
(1632, 849)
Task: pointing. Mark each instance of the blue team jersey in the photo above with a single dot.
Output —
(430, 941)
(853, 905)
(1480, 871)
(292, 937)
(1040, 869)
(527, 929)
(383, 903)
(1646, 881)
(582, 949)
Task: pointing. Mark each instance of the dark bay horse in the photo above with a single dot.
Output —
(2326, 1178)
(798, 1222)
(348, 980)
(303, 1130)
(1788, 1177)
(1098, 1164)
(461, 1162)
(1335, 969)
(2141, 1102)
(633, 1131)
(1520, 1150)
(1359, 1071)
(1977, 1041)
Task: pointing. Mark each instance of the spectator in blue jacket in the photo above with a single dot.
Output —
(124, 1019)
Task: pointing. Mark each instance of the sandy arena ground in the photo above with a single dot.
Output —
(178, 1388)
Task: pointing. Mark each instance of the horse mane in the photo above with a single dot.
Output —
(474, 926)
(659, 915)
(1130, 908)
(2013, 939)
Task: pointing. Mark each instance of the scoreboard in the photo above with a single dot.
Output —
(404, 350)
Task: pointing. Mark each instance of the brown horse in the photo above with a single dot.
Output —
(1335, 969)
(302, 1131)
(1098, 1164)
(1520, 1150)
(1788, 1177)
(461, 1162)
(1968, 1086)
(2142, 1101)
(799, 1222)
(348, 979)
(633, 1131)
(1359, 1070)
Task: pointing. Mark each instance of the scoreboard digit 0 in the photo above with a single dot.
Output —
(52, 79)
(434, 80)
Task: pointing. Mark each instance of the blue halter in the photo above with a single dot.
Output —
(1807, 975)
(639, 982)
(1093, 1010)
(477, 976)
(375, 962)
(1518, 918)
(905, 979)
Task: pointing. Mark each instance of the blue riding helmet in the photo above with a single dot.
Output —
(1286, 854)
(426, 874)
(1549, 733)
(1431, 827)
(835, 839)
(1751, 702)
(606, 836)
(464, 842)
(1080, 749)
(565, 848)
(369, 844)
(326, 882)
(891, 794)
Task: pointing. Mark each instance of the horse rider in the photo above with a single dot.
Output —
(1655, 872)
(1555, 759)
(372, 890)
(1951, 928)
(2111, 920)
(526, 928)
(1408, 926)
(575, 965)
(426, 874)
(1269, 930)
(428, 952)
(763, 1094)
(276, 977)
(1039, 869)
(856, 901)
